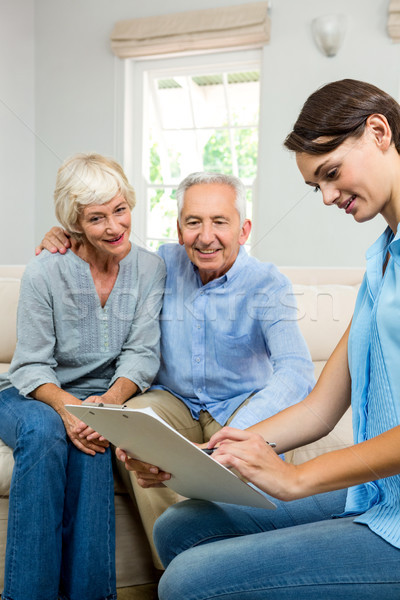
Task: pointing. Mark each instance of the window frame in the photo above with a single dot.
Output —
(131, 114)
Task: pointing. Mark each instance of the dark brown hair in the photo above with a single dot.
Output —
(340, 110)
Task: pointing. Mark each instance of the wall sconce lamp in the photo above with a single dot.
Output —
(328, 33)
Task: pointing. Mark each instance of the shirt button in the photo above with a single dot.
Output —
(199, 390)
(197, 359)
(198, 326)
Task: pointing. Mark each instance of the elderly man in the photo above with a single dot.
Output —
(231, 350)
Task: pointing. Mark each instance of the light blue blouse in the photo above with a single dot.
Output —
(374, 361)
(64, 335)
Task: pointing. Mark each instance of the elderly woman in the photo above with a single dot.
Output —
(87, 328)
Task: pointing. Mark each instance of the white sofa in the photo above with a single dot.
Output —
(325, 300)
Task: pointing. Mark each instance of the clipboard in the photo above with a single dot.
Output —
(147, 437)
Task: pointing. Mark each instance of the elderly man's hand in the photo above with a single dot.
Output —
(147, 475)
(55, 240)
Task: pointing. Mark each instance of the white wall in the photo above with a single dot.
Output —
(17, 139)
(75, 103)
(293, 226)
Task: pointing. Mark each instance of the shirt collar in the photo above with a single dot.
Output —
(381, 244)
(233, 271)
(395, 246)
(376, 256)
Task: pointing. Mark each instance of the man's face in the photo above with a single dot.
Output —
(210, 229)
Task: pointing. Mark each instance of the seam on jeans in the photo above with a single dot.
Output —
(63, 597)
(289, 514)
(15, 518)
(110, 508)
(319, 505)
(283, 587)
(216, 537)
(211, 538)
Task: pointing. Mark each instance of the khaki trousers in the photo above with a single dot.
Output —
(153, 502)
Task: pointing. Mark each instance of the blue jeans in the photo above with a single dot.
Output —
(61, 531)
(297, 552)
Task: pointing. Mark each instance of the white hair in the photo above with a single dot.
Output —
(85, 179)
(204, 177)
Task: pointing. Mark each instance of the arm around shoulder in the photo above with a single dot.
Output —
(55, 240)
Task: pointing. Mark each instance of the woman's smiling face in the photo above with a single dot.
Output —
(106, 227)
(355, 176)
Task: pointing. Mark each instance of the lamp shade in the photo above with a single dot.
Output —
(328, 32)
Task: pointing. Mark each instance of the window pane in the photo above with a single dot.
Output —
(208, 91)
(217, 155)
(165, 160)
(183, 153)
(154, 244)
(161, 223)
(174, 104)
(244, 98)
(246, 144)
(155, 175)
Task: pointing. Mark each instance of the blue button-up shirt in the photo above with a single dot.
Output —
(231, 338)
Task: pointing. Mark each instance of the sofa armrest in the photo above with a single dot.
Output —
(9, 293)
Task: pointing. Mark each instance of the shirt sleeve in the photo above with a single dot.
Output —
(139, 359)
(33, 362)
(292, 378)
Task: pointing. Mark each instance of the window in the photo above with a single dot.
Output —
(184, 115)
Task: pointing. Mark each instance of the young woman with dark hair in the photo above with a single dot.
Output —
(347, 144)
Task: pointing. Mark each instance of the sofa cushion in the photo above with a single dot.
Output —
(326, 309)
(9, 292)
(324, 312)
(6, 468)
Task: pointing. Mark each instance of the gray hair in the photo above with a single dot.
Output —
(204, 177)
(85, 179)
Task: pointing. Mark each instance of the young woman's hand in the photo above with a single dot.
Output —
(250, 455)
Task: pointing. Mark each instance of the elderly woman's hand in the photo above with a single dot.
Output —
(87, 432)
(147, 475)
(79, 434)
